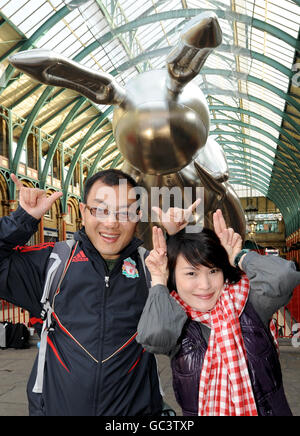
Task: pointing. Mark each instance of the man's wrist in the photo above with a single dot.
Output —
(23, 216)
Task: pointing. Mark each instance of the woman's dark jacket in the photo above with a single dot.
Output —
(165, 329)
(263, 365)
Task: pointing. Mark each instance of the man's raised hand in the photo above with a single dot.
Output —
(33, 200)
(175, 219)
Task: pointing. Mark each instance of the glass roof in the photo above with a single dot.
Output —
(247, 80)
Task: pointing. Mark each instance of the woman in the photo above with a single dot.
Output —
(215, 325)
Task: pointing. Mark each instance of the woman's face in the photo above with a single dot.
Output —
(199, 287)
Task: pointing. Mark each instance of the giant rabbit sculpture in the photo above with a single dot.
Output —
(161, 120)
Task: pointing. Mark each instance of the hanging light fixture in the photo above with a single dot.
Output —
(251, 212)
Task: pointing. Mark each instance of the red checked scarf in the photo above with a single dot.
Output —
(225, 387)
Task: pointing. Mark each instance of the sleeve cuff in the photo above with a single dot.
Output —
(22, 217)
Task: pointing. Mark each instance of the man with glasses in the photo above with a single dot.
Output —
(93, 364)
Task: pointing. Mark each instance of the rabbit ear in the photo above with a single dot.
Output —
(54, 69)
(198, 39)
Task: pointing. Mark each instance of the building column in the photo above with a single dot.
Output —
(62, 228)
(41, 231)
(13, 205)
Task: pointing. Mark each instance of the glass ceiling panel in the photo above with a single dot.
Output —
(95, 18)
(243, 191)
(275, 49)
(10, 8)
(28, 23)
(194, 4)
(279, 15)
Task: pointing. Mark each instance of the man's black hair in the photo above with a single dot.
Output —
(109, 177)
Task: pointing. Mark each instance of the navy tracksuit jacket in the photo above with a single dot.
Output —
(93, 365)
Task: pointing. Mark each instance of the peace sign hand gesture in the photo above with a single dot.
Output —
(175, 219)
(34, 201)
(157, 261)
(231, 241)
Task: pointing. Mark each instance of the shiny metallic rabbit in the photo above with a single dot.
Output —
(161, 120)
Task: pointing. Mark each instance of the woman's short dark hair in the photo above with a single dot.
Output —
(109, 177)
(202, 248)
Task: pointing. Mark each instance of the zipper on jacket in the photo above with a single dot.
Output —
(99, 372)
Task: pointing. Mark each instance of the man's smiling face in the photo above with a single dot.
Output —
(109, 230)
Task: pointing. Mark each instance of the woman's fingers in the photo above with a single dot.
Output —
(158, 239)
(217, 226)
(161, 241)
(158, 256)
(157, 262)
(224, 237)
(237, 241)
(230, 235)
(221, 220)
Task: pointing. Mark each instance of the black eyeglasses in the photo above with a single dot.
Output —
(102, 214)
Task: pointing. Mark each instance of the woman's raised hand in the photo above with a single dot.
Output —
(157, 261)
(34, 201)
(231, 241)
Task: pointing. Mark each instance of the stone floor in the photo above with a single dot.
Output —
(15, 366)
(290, 365)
